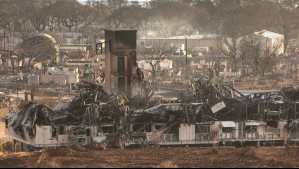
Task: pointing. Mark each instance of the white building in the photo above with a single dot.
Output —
(163, 70)
(164, 64)
(267, 41)
(272, 40)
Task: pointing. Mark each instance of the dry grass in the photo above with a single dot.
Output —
(4, 111)
(41, 158)
(54, 164)
(2, 147)
(2, 133)
(167, 164)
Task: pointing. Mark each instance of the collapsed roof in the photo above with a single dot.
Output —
(290, 93)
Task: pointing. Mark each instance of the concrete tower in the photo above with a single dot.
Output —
(121, 65)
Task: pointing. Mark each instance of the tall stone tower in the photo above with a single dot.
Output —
(120, 62)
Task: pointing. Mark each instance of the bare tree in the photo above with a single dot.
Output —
(213, 61)
(230, 47)
(53, 21)
(111, 10)
(259, 56)
(205, 18)
(122, 15)
(153, 54)
(69, 13)
(38, 16)
(171, 16)
(13, 14)
(286, 24)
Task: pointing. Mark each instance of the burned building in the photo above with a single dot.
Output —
(96, 110)
(209, 112)
(120, 62)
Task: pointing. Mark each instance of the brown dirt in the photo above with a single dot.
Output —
(3, 111)
(264, 84)
(154, 157)
(1, 130)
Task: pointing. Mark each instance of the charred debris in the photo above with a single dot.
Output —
(209, 112)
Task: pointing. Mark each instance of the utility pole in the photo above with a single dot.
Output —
(146, 30)
(146, 23)
(186, 58)
(4, 47)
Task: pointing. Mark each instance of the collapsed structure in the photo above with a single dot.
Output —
(207, 113)
(123, 112)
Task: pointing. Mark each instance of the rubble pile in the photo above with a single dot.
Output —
(290, 93)
(79, 120)
(210, 111)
